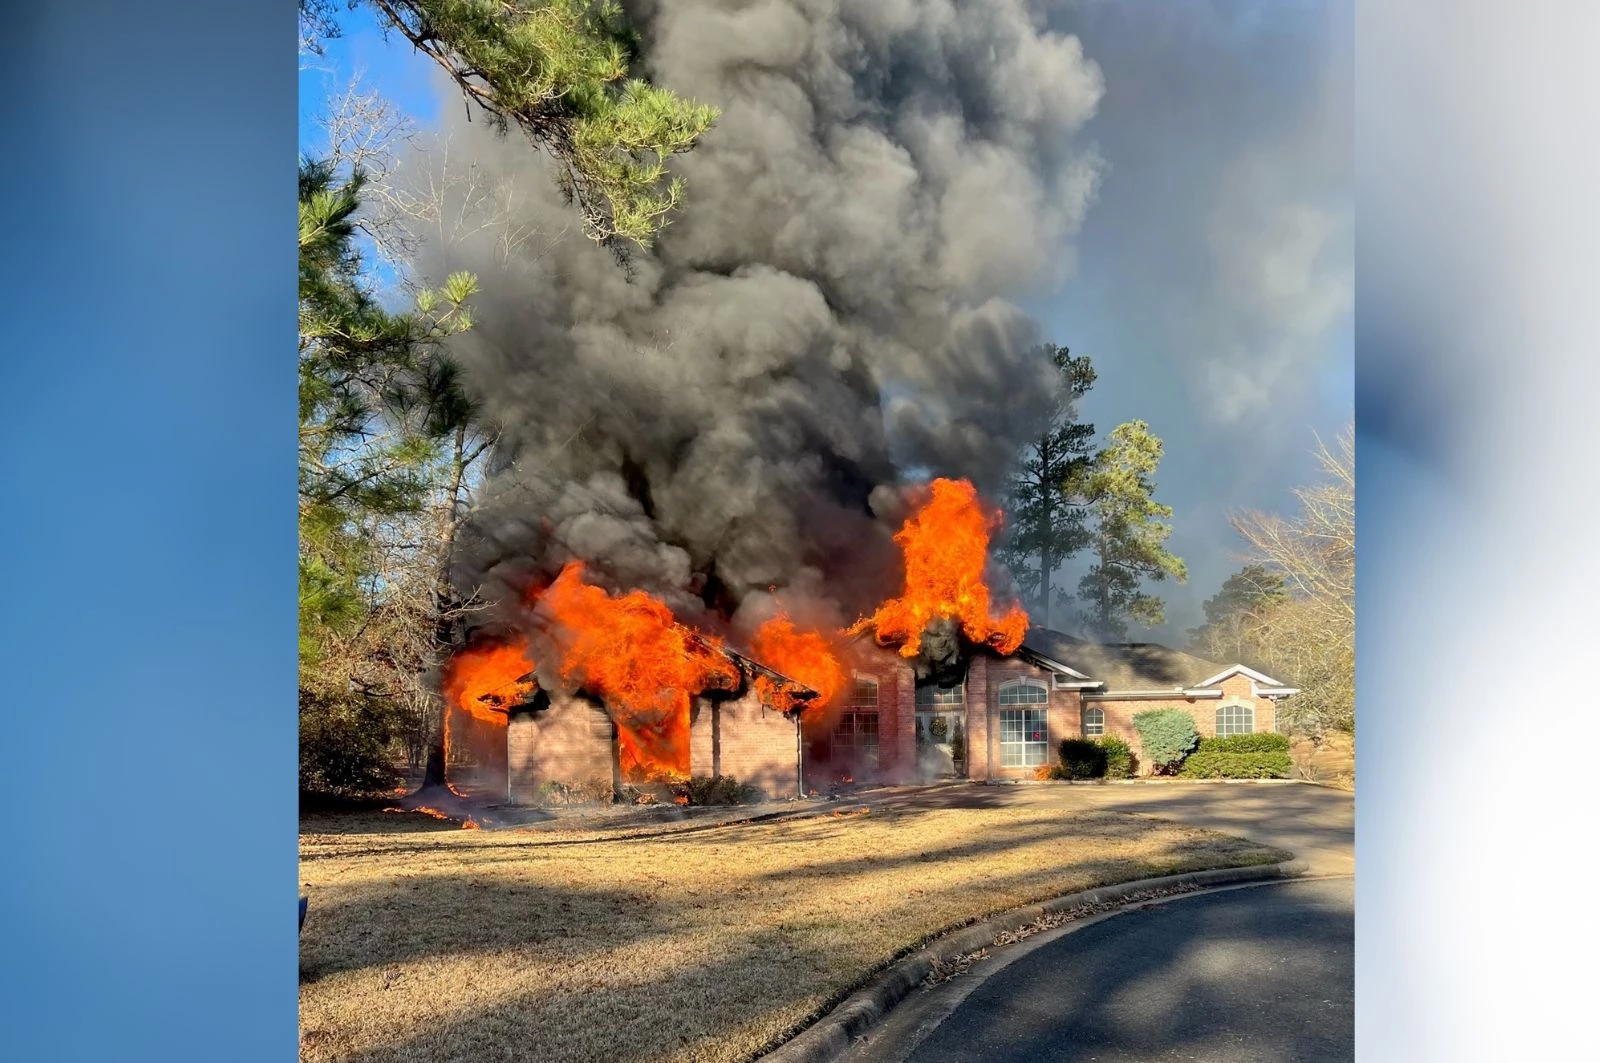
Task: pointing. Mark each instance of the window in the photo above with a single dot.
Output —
(855, 739)
(1023, 692)
(932, 695)
(865, 695)
(1235, 720)
(1094, 722)
(1024, 742)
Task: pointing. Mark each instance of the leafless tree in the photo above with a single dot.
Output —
(1311, 636)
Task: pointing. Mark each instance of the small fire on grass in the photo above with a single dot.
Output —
(426, 811)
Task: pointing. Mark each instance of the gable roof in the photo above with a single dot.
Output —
(1133, 665)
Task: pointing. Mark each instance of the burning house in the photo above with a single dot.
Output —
(935, 684)
(715, 446)
(573, 741)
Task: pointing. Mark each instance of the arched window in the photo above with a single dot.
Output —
(1235, 720)
(1023, 692)
(1094, 722)
(931, 696)
(865, 694)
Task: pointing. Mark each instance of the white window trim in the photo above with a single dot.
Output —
(1083, 722)
(877, 692)
(1234, 703)
(1022, 681)
(1026, 743)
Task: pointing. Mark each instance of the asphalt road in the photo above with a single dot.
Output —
(1263, 974)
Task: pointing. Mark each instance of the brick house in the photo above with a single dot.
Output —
(999, 719)
(569, 739)
(1006, 715)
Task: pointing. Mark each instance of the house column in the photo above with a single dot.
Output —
(905, 723)
(977, 726)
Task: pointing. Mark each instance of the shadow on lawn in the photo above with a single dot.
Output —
(441, 914)
(762, 983)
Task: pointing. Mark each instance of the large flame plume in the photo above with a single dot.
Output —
(631, 652)
(946, 547)
(809, 657)
(487, 680)
(483, 683)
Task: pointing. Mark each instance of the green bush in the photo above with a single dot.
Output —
(345, 746)
(1166, 736)
(1082, 759)
(719, 790)
(1119, 756)
(1210, 764)
(1263, 742)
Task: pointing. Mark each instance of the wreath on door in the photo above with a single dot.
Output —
(939, 728)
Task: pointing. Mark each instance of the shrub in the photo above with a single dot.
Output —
(1119, 756)
(719, 790)
(1082, 759)
(1211, 764)
(593, 791)
(345, 746)
(1263, 742)
(1167, 736)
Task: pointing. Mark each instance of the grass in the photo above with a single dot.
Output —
(429, 943)
(1333, 764)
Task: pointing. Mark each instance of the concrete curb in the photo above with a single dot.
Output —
(833, 1034)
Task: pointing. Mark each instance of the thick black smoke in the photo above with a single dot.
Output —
(828, 315)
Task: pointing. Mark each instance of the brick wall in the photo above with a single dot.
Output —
(568, 742)
(742, 738)
(1061, 714)
(902, 723)
(978, 715)
(1235, 691)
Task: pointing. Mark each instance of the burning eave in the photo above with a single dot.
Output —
(798, 692)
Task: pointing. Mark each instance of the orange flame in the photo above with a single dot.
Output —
(946, 546)
(485, 681)
(630, 652)
(426, 811)
(808, 657)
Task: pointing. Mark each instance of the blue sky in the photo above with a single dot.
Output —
(1212, 276)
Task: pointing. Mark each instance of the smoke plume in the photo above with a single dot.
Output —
(831, 314)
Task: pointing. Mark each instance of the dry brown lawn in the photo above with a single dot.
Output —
(1334, 763)
(431, 944)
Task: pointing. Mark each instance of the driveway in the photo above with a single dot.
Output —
(1315, 823)
(1255, 974)
(1259, 974)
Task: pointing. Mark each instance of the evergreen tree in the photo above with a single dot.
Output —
(1043, 527)
(1128, 530)
(559, 70)
(380, 403)
(1244, 598)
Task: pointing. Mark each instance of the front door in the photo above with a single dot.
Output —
(941, 742)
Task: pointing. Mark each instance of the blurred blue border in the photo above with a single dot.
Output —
(148, 640)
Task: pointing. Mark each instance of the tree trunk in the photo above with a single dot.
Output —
(444, 604)
(1047, 488)
(1044, 582)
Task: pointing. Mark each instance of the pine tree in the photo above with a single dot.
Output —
(1244, 598)
(1128, 531)
(1043, 527)
(560, 71)
(380, 402)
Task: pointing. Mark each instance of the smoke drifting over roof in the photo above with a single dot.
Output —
(831, 309)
